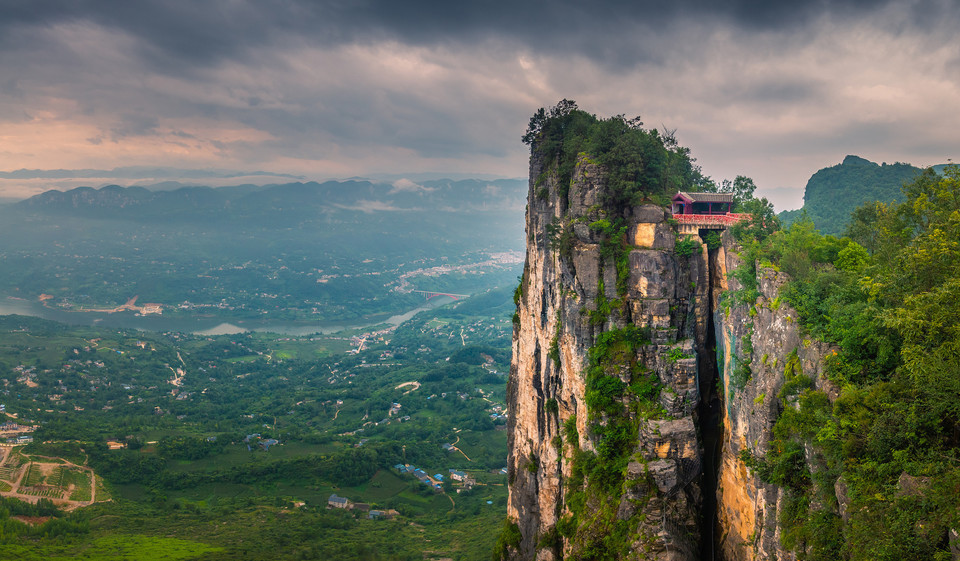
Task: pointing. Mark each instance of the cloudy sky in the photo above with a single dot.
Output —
(339, 88)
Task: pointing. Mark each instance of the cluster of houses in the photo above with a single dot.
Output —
(461, 395)
(15, 433)
(26, 375)
(436, 481)
(498, 412)
(336, 501)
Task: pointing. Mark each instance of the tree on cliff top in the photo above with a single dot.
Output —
(640, 164)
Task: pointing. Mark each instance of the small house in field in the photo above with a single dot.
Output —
(338, 502)
(702, 203)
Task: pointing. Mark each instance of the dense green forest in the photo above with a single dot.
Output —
(641, 164)
(197, 474)
(887, 297)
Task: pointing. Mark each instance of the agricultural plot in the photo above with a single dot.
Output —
(103, 493)
(46, 477)
(45, 491)
(9, 472)
(78, 483)
(34, 476)
(42, 480)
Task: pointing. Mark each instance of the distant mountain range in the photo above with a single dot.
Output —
(289, 200)
(337, 250)
(833, 193)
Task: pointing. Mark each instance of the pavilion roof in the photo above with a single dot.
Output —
(706, 197)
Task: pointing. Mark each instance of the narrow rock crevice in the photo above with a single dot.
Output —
(710, 415)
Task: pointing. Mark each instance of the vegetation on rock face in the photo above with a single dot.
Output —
(888, 297)
(597, 482)
(636, 166)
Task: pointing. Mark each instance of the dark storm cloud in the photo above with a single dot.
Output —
(176, 35)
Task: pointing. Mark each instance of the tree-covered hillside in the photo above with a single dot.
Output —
(834, 192)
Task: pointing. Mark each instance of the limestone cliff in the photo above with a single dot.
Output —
(760, 348)
(567, 496)
(644, 377)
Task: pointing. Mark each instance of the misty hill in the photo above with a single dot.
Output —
(251, 202)
(833, 193)
(136, 172)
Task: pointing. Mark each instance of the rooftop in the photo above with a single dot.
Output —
(706, 197)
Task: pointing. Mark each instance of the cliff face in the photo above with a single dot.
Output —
(563, 497)
(681, 488)
(766, 335)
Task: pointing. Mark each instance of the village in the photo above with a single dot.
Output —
(454, 479)
(13, 433)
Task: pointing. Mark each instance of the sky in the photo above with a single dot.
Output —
(340, 88)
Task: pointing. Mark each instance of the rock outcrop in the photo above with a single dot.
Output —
(570, 294)
(764, 336)
(642, 380)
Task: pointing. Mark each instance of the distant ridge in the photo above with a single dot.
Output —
(834, 192)
(268, 202)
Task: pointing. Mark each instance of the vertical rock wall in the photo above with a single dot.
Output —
(694, 329)
(748, 508)
(565, 279)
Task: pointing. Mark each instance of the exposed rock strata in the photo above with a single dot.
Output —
(561, 285)
(747, 507)
(662, 497)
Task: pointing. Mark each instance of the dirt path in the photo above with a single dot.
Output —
(454, 446)
(416, 386)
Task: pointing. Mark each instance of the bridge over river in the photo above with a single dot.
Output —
(428, 294)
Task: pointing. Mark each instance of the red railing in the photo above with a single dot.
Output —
(718, 219)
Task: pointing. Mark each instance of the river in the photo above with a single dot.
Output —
(202, 324)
